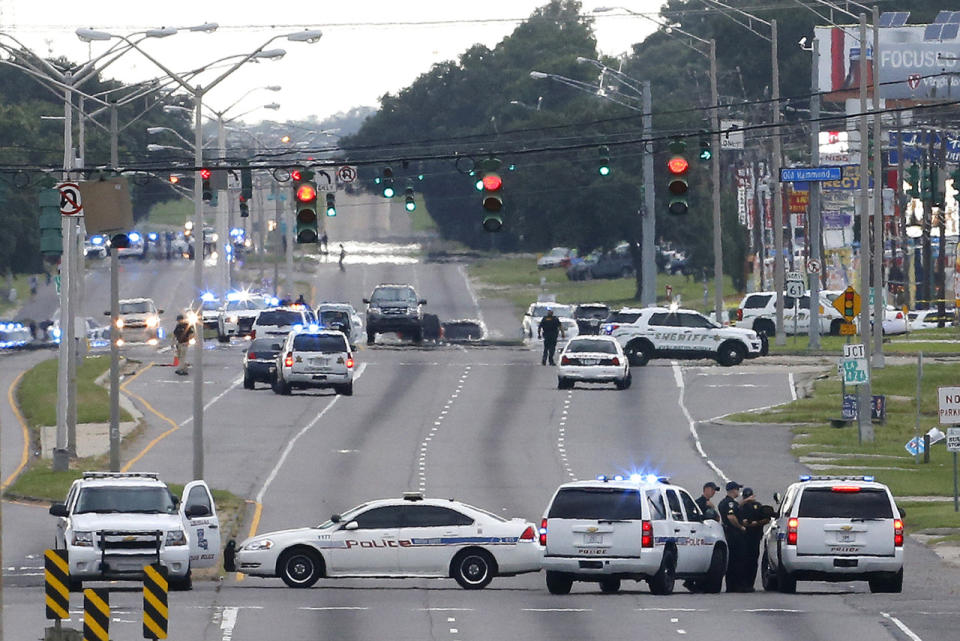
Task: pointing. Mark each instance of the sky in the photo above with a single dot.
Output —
(368, 48)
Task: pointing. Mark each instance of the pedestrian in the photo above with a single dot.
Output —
(705, 502)
(548, 329)
(343, 254)
(754, 518)
(48, 277)
(33, 285)
(323, 241)
(734, 531)
(182, 334)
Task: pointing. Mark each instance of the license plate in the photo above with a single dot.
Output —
(846, 537)
(589, 361)
(319, 361)
(593, 539)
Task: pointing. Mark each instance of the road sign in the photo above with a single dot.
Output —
(948, 403)
(855, 371)
(839, 303)
(56, 572)
(813, 266)
(854, 351)
(797, 276)
(795, 288)
(731, 134)
(848, 329)
(953, 439)
(70, 201)
(805, 174)
(347, 173)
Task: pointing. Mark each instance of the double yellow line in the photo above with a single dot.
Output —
(25, 453)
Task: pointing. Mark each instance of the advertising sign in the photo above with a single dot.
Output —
(916, 144)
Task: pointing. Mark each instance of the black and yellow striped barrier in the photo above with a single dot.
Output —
(56, 573)
(96, 614)
(155, 601)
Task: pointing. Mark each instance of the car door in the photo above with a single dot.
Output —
(699, 333)
(666, 335)
(198, 513)
(429, 537)
(686, 560)
(700, 544)
(369, 543)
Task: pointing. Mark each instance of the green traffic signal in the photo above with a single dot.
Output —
(706, 153)
(410, 203)
(388, 191)
(331, 204)
(604, 168)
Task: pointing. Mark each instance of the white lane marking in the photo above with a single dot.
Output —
(306, 428)
(556, 609)
(903, 627)
(670, 610)
(562, 437)
(674, 620)
(227, 623)
(787, 610)
(737, 385)
(213, 400)
(473, 298)
(793, 387)
(451, 619)
(443, 610)
(332, 607)
(453, 630)
(678, 377)
(681, 631)
(424, 444)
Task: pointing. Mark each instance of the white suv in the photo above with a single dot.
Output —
(661, 332)
(277, 322)
(758, 311)
(834, 528)
(315, 359)
(113, 524)
(139, 321)
(640, 528)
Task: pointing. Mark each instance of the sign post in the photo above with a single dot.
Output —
(949, 410)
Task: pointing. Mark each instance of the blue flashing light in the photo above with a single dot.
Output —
(636, 478)
(152, 235)
(228, 249)
(236, 231)
(298, 327)
(314, 327)
(56, 333)
(804, 477)
(652, 478)
(96, 240)
(234, 296)
(274, 301)
(208, 297)
(618, 477)
(868, 479)
(601, 477)
(134, 237)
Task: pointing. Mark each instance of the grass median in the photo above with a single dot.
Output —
(37, 393)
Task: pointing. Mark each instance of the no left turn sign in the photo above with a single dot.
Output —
(70, 201)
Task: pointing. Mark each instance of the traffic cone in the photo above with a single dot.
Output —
(176, 361)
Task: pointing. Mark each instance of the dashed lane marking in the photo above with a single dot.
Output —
(562, 437)
(903, 627)
(437, 423)
(678, 377)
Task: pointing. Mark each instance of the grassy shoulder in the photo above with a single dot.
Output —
(928, 341)
(37, 393)
(420, 218)
(21, 283)
(171, 213)
(518, 279)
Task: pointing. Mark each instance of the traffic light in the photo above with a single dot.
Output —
(207, 190)
(410, 203)
(246, 181)
(604, 168)
(244, 207)
(306, 202)
(51, 236)
(706, 153)
(848, 306)
(331, 204)
(492, 195)
(387, 183)
(677, 167)
(174, 179)
(936, 191)
(913, 180)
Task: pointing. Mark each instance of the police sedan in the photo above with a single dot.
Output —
(394, 538)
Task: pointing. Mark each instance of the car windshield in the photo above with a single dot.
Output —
(279, 318)
(601, 503)
(623, 317)
(344, 517)
(863, 503)
(598, 312)
(330, 317)
(325, 343)
(209, 305)
(592, 345)
(244, 305)
(150, 500)
(140, 307)
(394, 295)
(558, 310)
(264, 345)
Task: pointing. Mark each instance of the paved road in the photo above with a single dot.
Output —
(487, 426)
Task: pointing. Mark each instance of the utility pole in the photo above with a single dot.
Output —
(198, 286)
(648, 224)
(715, 167)
(288, 279)
(942, 220)
(281, 239)
(878, 288)
(864, 422)
(902, 201)
(114, 315)
(924, 294)
(778, 275)
(813, 239)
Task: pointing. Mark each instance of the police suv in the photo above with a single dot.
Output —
(113, 524)
(314, 358)
(834, 528)
(661, 332)
(641, 528)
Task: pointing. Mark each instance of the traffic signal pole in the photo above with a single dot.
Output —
(648, 223)
(778, 275)
(114, 315)
(198, 287)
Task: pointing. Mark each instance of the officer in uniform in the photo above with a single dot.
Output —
(754, 517)
(548, 329)
(705, 502)
(734, 530)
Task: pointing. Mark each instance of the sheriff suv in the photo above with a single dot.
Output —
(834, 528)
(394, 308)
(139, 321)
(661, 332)
(113, 524)
(640, 527)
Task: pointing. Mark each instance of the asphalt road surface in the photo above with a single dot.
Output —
(497, 434)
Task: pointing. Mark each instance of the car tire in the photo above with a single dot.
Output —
(223, 338)
(248, 383)
(610, 585)
(473, 569)
(765, 326)
(662, 582)
(713, 579)
(417, 336)
(764, 344)
(564, 383)
(344, 390)
(786, 582)
(768, 578)
(730, 354)
(74, 585)
(300, 567)
(638, 352)
(624, 383)
(281, 388)
(888, 583)
(371, 337)
(182, 583)
(559, 582)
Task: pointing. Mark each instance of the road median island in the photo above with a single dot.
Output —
(925, 490)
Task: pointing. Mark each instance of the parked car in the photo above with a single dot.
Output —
(556, 257)
(930, 318)
(613, 264)
(590, 316)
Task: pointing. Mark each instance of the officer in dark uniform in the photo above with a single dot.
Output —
(754, 517)
(705, 502)
(548, 329)
(734, 530)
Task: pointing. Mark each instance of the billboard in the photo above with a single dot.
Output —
(915, 63)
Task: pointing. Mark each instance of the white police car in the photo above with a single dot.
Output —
(236, 317)
(394, 538)
(639, 527)
(834, 528)
(593, 359)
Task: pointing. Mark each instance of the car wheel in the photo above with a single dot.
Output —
(764, 344)
(638, 352)
(248, 383)
(182, 583)
(610, 585)
(587, 274)
(417, 336)
(888, 583)
(473, 569)
(730, 354)
(765, 326)
(662, 582)
(713, 579)
(558, 582)
(300, 567)
(371, 337)
(344, 390)
(563, 383)
(767, 577)
(624, 383)
(74, 585)
(786, 582)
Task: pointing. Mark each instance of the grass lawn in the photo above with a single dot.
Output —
(420, 218)
(37, 393)
(517, 279)
(928, 341)
(171, 213)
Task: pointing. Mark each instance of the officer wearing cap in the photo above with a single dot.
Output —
(705, 503)
(734, 530)
(753, 518)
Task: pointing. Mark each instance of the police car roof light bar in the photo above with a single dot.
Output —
(120, 475)
(811, 477)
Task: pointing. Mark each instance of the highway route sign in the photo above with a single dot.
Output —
(795, 288)
(854, 371)
(70, 201)
(813, 266)
(854, 351)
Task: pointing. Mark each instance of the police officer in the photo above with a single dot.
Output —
(754, 518)
(705, 503)
(548, 329)
(734, 531)
(182, 334)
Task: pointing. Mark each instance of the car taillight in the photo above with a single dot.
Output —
(288, 361)
(898, 533)
(252, 356)
(899, 315)
(349, 362)
(845, 488)
(253, 334)
(527, 534)
(646, 534)
(615, 361)
(564, 361)
(739, 314)
(792, 531)
(543, 532)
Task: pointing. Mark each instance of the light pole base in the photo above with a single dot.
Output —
(61, 460)
(877, 360)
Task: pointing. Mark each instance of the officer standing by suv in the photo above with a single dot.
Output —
(548, 329)
(734, 530)
(754, 518)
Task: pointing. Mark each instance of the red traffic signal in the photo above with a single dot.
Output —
(678, 165)
(306, 193)
(205, 174)
(492, 182)
(295, 175)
